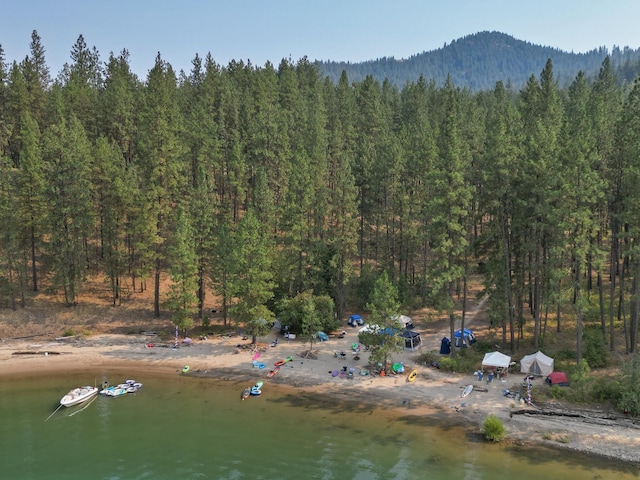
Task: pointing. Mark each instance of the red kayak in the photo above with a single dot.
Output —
(273, 372)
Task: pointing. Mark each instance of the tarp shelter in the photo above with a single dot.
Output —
(536, 364)
(445, 346)
(323, 336)
(496, 359)
(557, 378)
(369, 329)
(411, 339)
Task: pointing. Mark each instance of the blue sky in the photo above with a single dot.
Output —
(270, 30)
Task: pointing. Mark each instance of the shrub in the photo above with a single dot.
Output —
(595, 349)
(628, 399)
(206, 321)
(605, 389)
(557, 392)
(565, 355)
(493, 429)
(428, 358)
(464, 361)
(580, 381)
(68, 333)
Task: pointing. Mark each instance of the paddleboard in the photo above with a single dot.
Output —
(467, 390)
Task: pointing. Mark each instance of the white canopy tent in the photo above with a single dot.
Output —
(496, 359)
(537, 364)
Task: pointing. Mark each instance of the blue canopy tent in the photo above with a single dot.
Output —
(355, 320)
(464, 338)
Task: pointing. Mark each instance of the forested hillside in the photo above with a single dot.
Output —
(478, 61)
(266, 183)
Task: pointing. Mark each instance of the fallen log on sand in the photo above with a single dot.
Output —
(588, 416)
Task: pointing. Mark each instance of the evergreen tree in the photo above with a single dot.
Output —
(251, 282)
(583, 190)
(340, 238)
(161, 166)
(448, 208)
(81, 82)
(500, 240)
(67, 153)
(384, 337)
(183, 261)
(628, 146)
(113, 195)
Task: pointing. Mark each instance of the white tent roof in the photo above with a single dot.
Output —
(537, 364)
(496, 359)
(404, 320)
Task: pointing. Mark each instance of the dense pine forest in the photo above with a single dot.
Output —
(480, 60)
(266, 185)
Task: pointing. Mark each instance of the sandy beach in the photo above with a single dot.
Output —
(433, 393)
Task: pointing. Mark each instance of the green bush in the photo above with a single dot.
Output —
(558, 392)
(206, 321)
(565, 355)
(493, 429)
(605, 389)
(68, 333)
(628, 400)
(595, 350)
(428, 358)
(465, 360)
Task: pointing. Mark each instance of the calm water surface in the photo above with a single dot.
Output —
(189, 428)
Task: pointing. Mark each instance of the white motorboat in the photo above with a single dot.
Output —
(78, 395)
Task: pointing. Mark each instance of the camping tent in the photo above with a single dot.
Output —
(411, 339)
(496, 359)
(537, 364)
(557, 378)
(403, 320)
(323, 336)
(464, 338)
(355, 320)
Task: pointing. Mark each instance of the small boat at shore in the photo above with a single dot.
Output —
(78, 395)
(129, 386)
(273, 372)
(245, 393)
(114, 391)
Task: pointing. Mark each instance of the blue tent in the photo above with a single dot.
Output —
(355, 320)
(464, 340)
(323, 336)
(458, 333)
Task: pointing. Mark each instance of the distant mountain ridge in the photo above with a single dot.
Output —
(479, 60)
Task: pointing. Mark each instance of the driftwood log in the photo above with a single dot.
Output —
(47, 352)
(587, 416)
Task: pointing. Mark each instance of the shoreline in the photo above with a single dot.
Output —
(434, 394)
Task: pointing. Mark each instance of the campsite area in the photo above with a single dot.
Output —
(108, 336)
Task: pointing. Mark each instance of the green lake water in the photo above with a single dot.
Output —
(190, 428)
